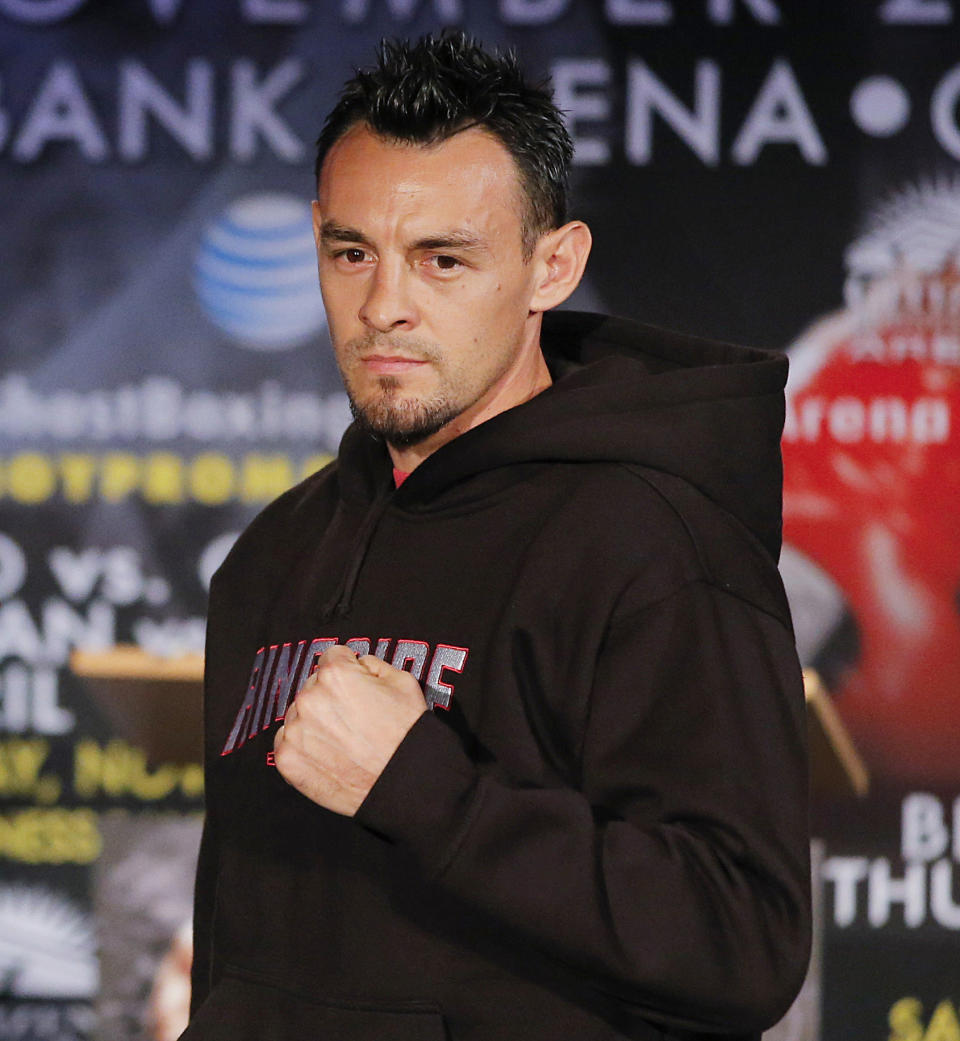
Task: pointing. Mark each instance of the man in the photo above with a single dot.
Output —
(543, 776)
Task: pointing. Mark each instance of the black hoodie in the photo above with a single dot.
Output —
(600, 829)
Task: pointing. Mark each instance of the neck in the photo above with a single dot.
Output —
(519, 385)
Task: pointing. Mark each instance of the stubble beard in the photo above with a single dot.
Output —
(400, 421)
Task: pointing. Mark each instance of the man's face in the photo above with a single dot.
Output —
(424, 280)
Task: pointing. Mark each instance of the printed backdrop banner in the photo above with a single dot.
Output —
(776, 172)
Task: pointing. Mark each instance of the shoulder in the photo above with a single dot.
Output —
(729, 556)
(613, 510)
(655, 533)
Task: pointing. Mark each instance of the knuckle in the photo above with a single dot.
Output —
(306, 701)
(411, 685)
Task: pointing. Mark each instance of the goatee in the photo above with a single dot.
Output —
(401, 422)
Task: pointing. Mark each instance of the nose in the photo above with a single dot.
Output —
(387, 304)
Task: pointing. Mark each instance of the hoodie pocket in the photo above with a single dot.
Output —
(241, 1009)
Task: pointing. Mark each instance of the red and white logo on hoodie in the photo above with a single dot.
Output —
(280, 670)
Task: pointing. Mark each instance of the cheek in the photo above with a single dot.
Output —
(486, 318)
(340, 292)
(494, 305)
(343, 321)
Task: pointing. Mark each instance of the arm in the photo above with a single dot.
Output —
(203, 908)
(675, 879)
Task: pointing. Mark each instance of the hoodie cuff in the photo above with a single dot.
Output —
(426, 796)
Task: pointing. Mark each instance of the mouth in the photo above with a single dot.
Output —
(391, 364)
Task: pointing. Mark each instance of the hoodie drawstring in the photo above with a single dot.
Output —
(342, 597)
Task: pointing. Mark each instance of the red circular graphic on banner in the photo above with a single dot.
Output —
(872, 496)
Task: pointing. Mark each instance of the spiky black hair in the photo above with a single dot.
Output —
(427, 91)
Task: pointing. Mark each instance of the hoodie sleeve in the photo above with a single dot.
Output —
(203, 908)
(674, 878)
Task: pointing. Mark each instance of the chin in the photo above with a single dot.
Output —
(403, 423)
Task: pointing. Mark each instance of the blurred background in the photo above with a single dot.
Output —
(782, 173)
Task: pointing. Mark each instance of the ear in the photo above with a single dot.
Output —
(560, 257)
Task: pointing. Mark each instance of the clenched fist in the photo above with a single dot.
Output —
(344, 725)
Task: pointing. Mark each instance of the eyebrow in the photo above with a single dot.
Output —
(451, 240)
(331, 231)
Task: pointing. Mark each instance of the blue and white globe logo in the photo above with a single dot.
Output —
(256, 272)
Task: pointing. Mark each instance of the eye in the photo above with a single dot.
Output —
(353, 255)
(445, 263)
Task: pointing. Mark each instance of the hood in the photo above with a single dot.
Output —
(710, 413)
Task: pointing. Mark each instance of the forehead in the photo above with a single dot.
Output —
(469, 178)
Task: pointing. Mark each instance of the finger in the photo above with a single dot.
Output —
(374, 665)
(339, 652)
